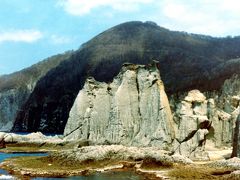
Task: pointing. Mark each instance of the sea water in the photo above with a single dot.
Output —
(96, 176)
(102, 176)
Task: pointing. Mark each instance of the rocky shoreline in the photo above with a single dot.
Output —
(27, 173)
(131, 125)
(149, 162)
(109, 158)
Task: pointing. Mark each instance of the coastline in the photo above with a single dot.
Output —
(112, 158)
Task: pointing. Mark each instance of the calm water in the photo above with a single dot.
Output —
(4, 156)
(103, 176)
(97, 176)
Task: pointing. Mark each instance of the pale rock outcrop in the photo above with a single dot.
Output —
(205, 119)
(209, 115)
(193, 124)
(223, 112)
(132, 110)
(118, 153)
(37, 138)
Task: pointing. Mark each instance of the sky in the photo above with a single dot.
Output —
(32, 30)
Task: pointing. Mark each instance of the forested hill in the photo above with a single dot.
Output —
(187, 61)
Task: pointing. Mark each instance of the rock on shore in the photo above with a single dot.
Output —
(37, 138)
(134, 110)
(118, 153)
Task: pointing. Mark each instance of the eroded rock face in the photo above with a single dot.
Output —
(16, 88)
(10, 103)
(132, 110)
(223, 112)
(192, 125)
(208, 118)
(227, 105)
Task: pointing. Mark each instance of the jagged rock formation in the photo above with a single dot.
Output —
(223, 111)
(193, 124)
(41, 98)
(16, 88)
(187, 62)
(132, 110)
(208, 117)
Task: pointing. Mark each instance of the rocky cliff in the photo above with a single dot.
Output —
(220, 108)
(16, 88)
(211, 115)
(187, 62)
(134, 110)
(224, 109)
(131, 110)
(10, 103)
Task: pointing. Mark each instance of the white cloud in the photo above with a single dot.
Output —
(83, 7)
(27, 36)
(56, 39)
(215, 17)
(211, 17)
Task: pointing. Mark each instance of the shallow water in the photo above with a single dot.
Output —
(102, 176)
(96, 176)
(4, 156)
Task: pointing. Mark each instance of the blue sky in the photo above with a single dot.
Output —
(32, 30)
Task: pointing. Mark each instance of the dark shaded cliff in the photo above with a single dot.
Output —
(15, 88)
(187, 62)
